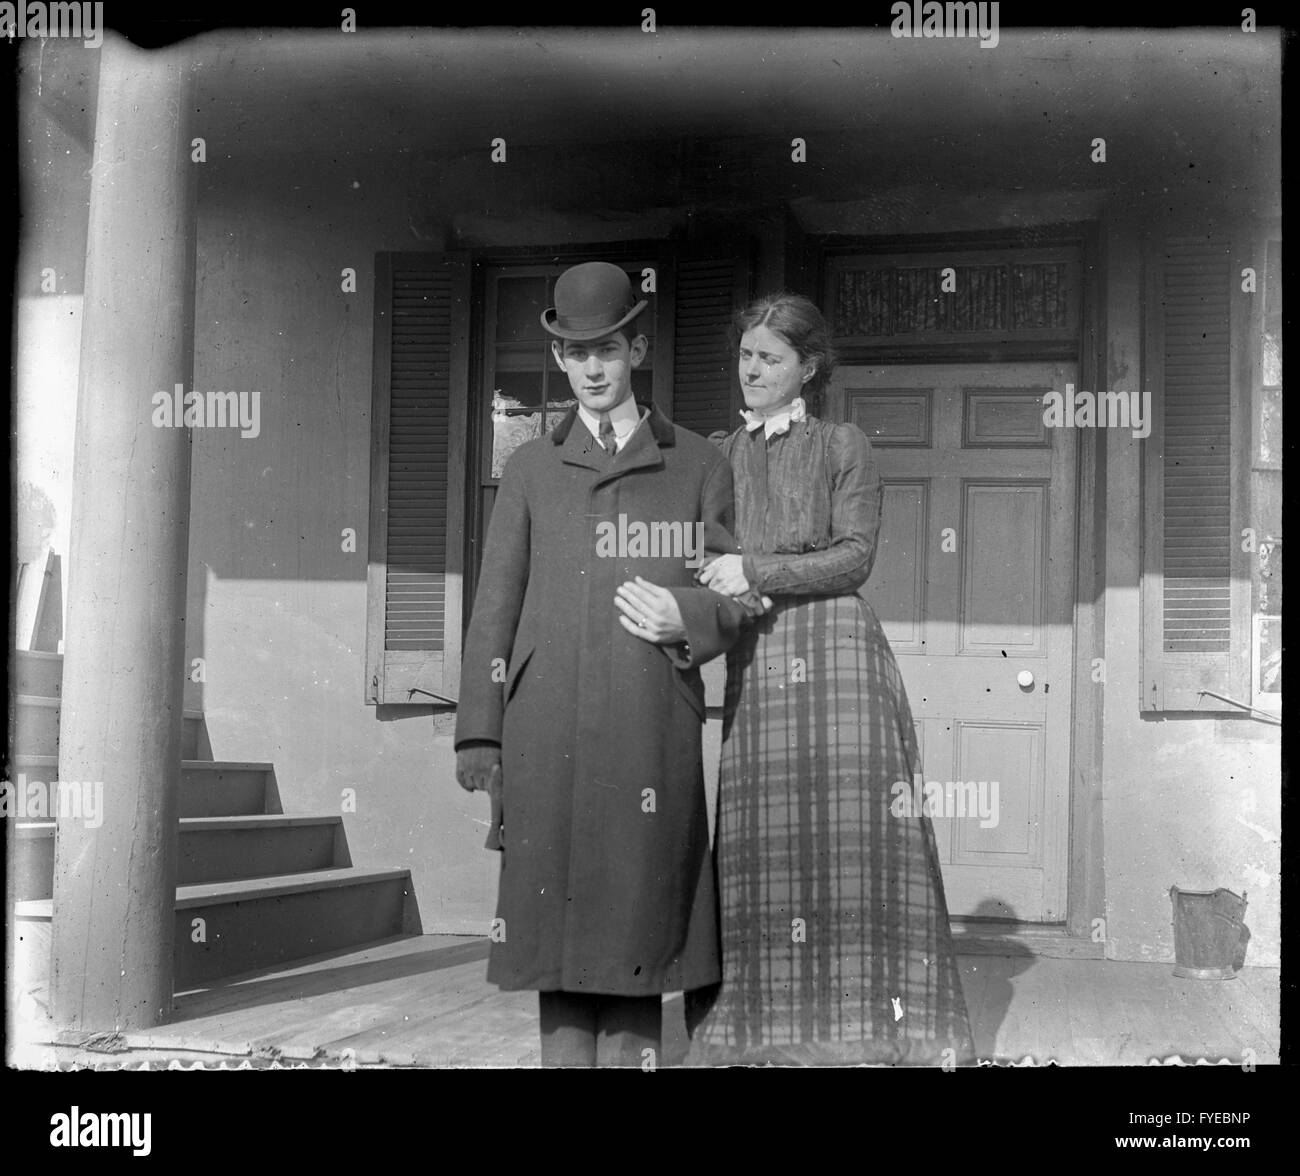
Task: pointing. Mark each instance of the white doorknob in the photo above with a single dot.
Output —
(1025, 677)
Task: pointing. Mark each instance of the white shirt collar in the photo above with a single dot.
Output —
(624, 417)
(779, 422)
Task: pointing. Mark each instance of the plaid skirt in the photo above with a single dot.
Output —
(836, 947)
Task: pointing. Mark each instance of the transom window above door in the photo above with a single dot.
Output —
(912, 301)
(526, 392)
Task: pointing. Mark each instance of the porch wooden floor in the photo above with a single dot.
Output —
(424, 1001)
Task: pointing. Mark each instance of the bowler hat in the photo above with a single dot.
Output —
(591, 300)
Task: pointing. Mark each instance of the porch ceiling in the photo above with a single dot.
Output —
(1185, 111)
(1184, 108)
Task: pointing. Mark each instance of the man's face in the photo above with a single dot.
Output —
(600, 372)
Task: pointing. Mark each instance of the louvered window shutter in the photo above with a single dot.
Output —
(710, 285)
(417, 478)
(1196, 582)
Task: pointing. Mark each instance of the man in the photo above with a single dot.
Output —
(582, 706)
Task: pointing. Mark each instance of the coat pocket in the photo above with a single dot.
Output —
(496, 837)
(515, 670)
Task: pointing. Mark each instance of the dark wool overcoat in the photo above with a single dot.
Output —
(606, 880)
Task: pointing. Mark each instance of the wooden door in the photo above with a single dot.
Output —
(973, 584)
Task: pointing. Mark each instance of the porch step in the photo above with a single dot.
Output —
(36, 725)
(227, 788)
(31, 853)
(194, 737)
(211, 849)
(36, 672)
(257, 887)
(225, 849)
(209, 788)
(261, 922)
(36, 728)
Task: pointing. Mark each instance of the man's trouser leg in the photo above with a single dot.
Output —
(582, 1029)
(628, 1027)
(568, 1024)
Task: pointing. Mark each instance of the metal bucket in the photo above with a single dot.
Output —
(1208, 933)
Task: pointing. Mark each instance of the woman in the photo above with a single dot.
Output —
(835, 939)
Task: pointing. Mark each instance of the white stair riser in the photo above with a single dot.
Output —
(255, 931)
(242, 936)
(36, 673)
(205, 855)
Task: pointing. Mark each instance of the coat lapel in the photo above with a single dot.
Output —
(576, 444)
(578, 447)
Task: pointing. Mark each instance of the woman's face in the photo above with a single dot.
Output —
(771, 373)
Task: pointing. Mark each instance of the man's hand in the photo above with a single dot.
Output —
(478, 769)
(650, 612)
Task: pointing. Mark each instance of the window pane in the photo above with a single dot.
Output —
(520, 302)
(862, 302)
(1273, 315)
(517, 390)
(1269, 454)
(1038, 295)
(511, 427)
(509, 431)
(525, 357)
(1268, 655)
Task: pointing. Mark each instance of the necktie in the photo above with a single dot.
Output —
(780, 422)
(607, 441)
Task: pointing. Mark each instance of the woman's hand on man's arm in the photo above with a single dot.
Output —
(726, 574)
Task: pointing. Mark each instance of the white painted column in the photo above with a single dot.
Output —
(123, 672)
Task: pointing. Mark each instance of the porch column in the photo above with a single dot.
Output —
(123, 669)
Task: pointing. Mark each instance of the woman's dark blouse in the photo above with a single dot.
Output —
(807, 507)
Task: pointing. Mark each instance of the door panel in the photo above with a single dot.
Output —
(973, 584)
(1002, 536)
(898, 584)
